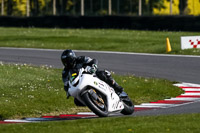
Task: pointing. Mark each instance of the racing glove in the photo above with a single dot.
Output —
(92, 69)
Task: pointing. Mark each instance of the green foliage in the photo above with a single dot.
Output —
(37, 7)
(92, 7)
(18, 7)
(149, 5)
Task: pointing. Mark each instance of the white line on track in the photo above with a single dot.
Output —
(86, 113)
(191, 89)
(191, 94)
(184, 99)
(18, 121)
(144, 106)
(106, 52)
(187, 85)
(157, 104)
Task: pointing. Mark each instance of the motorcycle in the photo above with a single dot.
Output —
(97, 95)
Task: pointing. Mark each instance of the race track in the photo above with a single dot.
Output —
(174, 68)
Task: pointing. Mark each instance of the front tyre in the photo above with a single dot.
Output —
(95, 103)
(128, 106)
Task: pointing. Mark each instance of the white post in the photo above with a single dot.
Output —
(140, 8)
(54, 7)
(2, 7)
(171, 7)
(82, 8)
(28, 8)
(193, 7)
(109, 7)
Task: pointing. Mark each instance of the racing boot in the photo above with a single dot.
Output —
(118, 89)
(106, 77)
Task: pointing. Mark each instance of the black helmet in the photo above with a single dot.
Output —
(68, 58)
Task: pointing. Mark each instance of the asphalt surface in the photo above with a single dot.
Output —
(174, 68)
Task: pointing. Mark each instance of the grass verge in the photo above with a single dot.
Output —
(188, 123)
(28, 91)
(95, 39)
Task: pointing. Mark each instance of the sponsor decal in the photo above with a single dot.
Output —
(95, 83)
(74, 74)
(115, 105)
(73, 77)
(102, 86)
(112, 96)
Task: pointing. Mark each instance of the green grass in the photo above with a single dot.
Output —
(95, 39)
(188, 123)
(28, 91)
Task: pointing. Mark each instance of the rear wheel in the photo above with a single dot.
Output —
(95, 102)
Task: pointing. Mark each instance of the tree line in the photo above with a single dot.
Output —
(73, 7)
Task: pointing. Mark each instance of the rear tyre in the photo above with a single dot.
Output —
(99, 107)
(128, 106)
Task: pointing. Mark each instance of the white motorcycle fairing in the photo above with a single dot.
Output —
(84, 81)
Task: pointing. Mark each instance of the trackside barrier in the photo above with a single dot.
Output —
(172, 23)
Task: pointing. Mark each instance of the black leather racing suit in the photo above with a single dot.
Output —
(83, 61)
(80, 62)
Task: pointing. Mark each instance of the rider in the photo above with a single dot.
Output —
(70, 62)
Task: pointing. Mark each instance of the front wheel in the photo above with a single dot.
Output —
(95, 102)
(128, 106)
